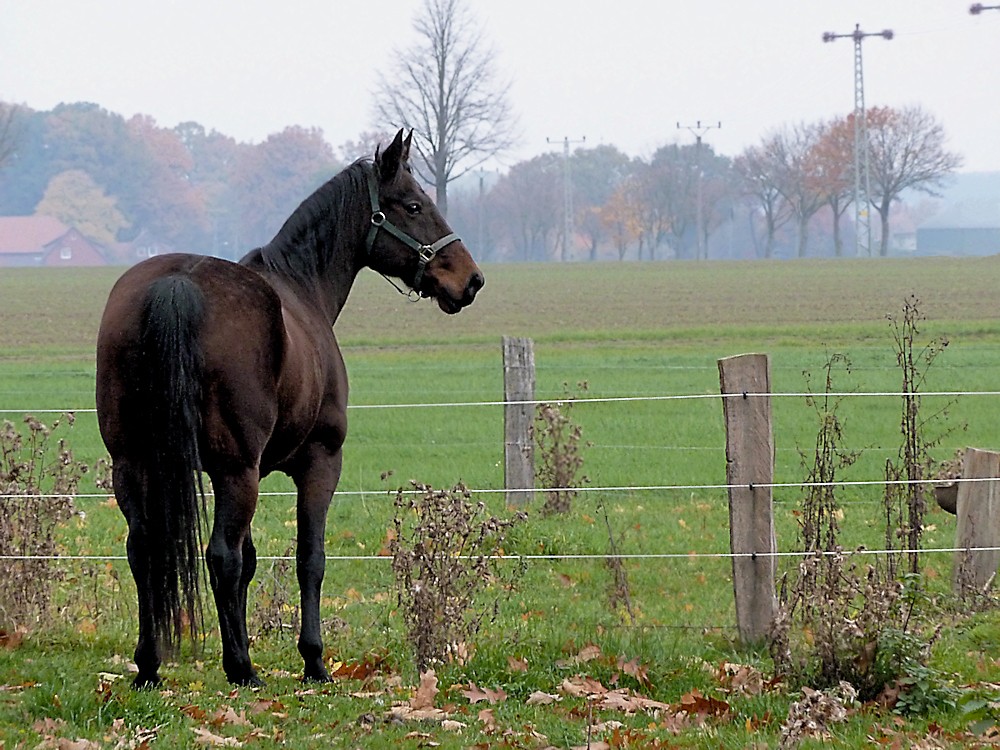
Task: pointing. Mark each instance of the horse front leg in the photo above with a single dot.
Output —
(232, 561)
(315, 491)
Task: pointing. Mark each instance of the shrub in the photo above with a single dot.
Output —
(38, 479)
(559, 441)
(444, 554)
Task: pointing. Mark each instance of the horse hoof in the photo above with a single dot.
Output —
(250, 680)
(320, 676)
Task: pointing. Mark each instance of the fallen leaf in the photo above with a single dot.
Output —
(426, 691)
(66, 744)
(405, 712)
(357, 670)
(195, 712)
(12, 639)
(387, 543)
(517, 665)
(260, 706)
(696, 704)
(204, 737)
(538, 698)
(451, 725)
(228, 716)
(418, 736)
(634, 669)
(475, 694)
(487, 718)
(582, 687)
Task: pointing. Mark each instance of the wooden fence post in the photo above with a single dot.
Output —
(518, 419)
(749, 465)
(978, 510)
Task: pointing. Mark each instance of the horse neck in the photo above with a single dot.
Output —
(315, 254)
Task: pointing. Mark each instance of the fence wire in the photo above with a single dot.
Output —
(583, 489)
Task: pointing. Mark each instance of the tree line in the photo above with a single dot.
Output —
(786, 196)
(202, 191)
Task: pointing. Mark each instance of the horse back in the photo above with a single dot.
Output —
(272, 374)
(240, 342)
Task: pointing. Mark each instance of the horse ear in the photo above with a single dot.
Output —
(406, 146)
(389, 163)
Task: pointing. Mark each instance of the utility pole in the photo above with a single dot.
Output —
(862, 178)
(699, 130)
(567, 195)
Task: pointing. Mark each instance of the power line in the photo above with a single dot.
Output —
(862, 175)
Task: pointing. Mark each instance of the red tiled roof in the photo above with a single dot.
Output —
(29, 234)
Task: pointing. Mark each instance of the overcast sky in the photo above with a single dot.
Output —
(622, 72)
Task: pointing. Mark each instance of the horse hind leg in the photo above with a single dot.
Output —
(232, 561)
(315, 490)
(147, 650)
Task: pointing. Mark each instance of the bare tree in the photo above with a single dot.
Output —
(447, 90)
(906, 151)
(757, 178)
(10, 130)
(792, 152)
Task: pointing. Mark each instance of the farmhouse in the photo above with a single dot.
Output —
(45, 241)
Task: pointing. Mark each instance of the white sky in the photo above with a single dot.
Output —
(622, 73)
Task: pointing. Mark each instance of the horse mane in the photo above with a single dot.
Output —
(319, 229)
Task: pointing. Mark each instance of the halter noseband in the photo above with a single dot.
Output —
(379, 221)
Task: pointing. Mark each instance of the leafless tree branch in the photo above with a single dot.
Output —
(447, 88)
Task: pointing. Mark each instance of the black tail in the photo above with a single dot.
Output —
(173, 506)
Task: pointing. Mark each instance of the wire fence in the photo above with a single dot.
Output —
(649, 488)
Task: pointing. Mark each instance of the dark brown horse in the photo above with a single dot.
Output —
(233, 369)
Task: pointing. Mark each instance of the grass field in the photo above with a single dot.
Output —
(627, 330)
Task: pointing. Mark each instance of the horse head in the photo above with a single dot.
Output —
(416, 244)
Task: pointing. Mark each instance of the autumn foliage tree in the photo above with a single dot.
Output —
(273, 178)
(834, 159)
(77, 201)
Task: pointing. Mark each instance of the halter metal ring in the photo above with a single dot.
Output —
(426, 252)
(378, 218)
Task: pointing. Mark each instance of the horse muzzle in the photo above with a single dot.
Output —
(452, 303)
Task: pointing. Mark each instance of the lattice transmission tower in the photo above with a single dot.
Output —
(862, 174)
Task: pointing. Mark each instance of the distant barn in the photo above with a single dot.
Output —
(45, 241)
(970, 221)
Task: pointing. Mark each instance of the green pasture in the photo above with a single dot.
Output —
(626, 330)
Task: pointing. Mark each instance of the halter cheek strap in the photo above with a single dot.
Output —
(379, 221)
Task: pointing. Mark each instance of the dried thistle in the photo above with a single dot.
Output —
(445, 553)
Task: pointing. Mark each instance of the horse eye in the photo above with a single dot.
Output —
(412, 208)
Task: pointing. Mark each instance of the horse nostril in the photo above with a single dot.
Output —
(476, 283)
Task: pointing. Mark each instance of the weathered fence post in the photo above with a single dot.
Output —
(978, 510)
(518, 419)
(750, 472)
